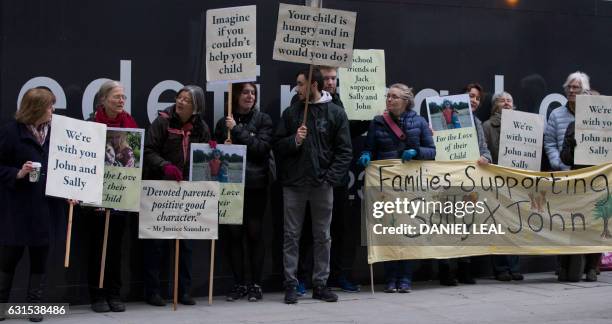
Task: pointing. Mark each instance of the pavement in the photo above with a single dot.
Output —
(537, 299)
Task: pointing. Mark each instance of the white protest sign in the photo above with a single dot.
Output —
(231, 44)
(363, 85)
(314, 35)
(593, 130)
(520, 140)
(179, 210)
(76, 159)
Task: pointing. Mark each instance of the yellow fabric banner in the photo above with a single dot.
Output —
(428, 209)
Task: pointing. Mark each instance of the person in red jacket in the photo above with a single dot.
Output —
(110, 110)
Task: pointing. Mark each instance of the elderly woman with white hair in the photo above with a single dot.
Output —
(505, 267)
(577, 83)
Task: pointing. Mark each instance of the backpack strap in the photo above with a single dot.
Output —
(394, 128)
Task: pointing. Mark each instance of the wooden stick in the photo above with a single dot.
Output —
(229, 108)
(372, 277)
(104, 243)
(309, 81)
(68, 236)
(176, 273)
(212, 271)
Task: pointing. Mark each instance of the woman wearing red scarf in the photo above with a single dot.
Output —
(110, 104)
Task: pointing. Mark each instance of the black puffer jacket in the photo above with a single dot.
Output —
(325, 154)
(168, 140)
(255, 131)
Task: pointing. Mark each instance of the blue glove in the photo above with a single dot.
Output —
(408, 155)
(364, 160)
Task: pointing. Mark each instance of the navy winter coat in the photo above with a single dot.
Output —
(27, 216)
(383, 144)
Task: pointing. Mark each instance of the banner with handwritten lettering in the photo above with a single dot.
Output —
(427, 209)
(593, 130)
(312, 35)
(520, 140)
(231, 44)
(179, 210)
(362, 85)
(227, 165)
(76, 159)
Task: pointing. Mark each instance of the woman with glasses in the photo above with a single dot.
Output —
(398, 133)
(253, 128)
(28, 218)
(166, 157)
(110, 104)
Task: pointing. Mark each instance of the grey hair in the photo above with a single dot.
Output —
(582, 77)
(197, 96)
(406, 93)
(495, 108)
(105, 89)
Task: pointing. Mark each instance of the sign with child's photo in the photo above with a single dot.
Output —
(227, 165)
(123, 168)
(453, 128)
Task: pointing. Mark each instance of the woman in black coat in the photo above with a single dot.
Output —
(248, 126)
(28, 218)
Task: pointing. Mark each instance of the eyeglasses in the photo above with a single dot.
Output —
(573, 87)
(185, 100)
(393, 97)
(119, 97)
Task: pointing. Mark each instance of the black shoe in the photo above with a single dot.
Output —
(517, 276)
(324, 293)
(236, 293)
(291, 296)
(116, 305)
(255, 293)
(186, 299)
(100, 305)
(503, 276)
(591, 275)
(35, 291)
(156, 300)
(36, 319)
(448, 281)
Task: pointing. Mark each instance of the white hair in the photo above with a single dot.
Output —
(496, 108)
(582, 77)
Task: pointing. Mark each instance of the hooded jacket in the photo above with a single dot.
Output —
(168, 141)
(326, 152)
(491, 129)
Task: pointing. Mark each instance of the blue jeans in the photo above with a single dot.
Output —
(398, 271)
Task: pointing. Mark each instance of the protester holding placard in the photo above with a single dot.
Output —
(464, 271)
(166, 157)
(110, 104)
(571, 268)
(312, 157)
(398, 133)
(505, 267)
(253, 128)
(28, 218)
(344, 227)
(577, 83)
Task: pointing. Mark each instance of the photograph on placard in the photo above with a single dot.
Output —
(450, 112)
(225, 163)
(124, 147)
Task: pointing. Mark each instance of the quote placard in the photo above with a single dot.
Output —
(363, 85)
(76, 159)
(520, 140)
(231, 44)
(593, 130)
(314, 35)
(179, 210)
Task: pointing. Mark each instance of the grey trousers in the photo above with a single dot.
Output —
(321, 203)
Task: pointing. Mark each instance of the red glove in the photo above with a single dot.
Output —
(212, 144)
(172, 172)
